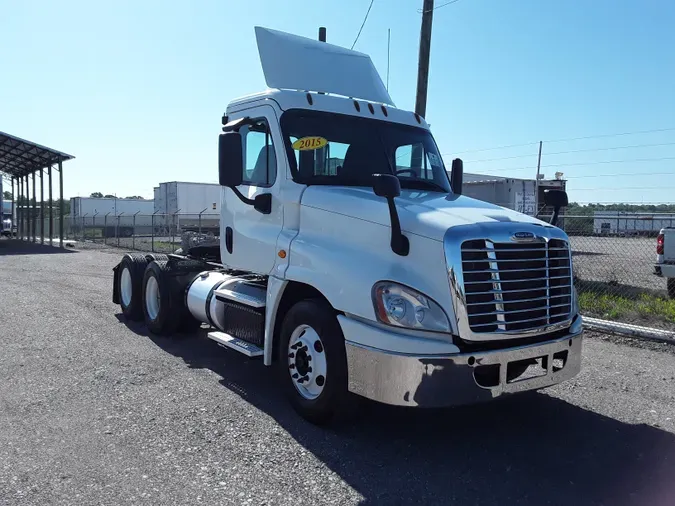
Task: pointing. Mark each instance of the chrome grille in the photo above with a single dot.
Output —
(516, 286)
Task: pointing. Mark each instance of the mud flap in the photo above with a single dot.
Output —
(116, 285)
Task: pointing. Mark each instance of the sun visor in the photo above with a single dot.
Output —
(299, 63)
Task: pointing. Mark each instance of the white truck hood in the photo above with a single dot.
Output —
(428, 214)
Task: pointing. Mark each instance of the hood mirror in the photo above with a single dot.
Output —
(388, 186)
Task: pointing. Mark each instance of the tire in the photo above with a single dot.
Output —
(324, 400)
(671, 287)
(161, 308)
(132, 268)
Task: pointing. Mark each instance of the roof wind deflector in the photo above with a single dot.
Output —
(299, 63)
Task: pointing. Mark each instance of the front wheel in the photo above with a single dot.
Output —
(312, 362)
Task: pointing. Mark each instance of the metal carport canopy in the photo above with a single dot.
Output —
(20, 159)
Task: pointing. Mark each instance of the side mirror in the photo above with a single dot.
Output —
(457, 176)
(555, 198)
(386, 185)
(230, 159)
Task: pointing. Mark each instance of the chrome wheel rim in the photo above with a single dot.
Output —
(126, 287)
(152, 297)
(307, 362)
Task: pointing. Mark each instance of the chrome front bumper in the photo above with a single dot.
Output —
(447, 380)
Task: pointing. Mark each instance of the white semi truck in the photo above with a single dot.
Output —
(665, 258)
(350, 261)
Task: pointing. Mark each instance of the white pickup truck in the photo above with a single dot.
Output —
(665, 258)
(350, 262)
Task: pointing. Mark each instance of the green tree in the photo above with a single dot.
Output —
(96, 195)
(7, 195)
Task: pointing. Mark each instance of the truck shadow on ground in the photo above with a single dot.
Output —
(17, 247)
(528, 449)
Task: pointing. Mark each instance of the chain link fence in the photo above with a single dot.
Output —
(613, 265)
(613, 258)
(159, 233)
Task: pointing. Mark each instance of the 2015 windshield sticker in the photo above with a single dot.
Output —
(309, 143)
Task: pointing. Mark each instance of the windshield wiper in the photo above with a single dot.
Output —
(422, 184)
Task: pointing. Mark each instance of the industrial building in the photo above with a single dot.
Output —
(626, 223)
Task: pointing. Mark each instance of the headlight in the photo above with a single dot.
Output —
(404, 307)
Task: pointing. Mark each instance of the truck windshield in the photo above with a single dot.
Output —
(336, 149)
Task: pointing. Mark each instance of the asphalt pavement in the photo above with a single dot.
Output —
(95, 411)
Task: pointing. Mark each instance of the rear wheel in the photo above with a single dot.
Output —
(130, 275)
(312, 362)
(159, 307)
(671, 288)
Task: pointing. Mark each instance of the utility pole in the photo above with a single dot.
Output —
(536, 183)
(423, 63)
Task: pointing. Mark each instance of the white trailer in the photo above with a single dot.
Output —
(627, 223)
(111, 216)
(516, 194)
(351, 266)
(189, 206)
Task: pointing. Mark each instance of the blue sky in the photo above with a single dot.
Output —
(135, 90)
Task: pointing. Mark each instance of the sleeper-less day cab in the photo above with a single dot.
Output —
(350, 261)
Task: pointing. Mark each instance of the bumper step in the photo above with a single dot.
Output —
(228, 341)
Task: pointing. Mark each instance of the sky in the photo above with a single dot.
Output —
(135, 90)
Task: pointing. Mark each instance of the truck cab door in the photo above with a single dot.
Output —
(248, 236)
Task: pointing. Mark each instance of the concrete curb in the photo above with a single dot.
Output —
(626, 329)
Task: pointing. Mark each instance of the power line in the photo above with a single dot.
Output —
(635, 146)
(624, 189)
(624, 174)
(613, 135)
(638, 202)
(634, 160)
(363, 24)
(496, 148)
(570, 139)
(438, 6)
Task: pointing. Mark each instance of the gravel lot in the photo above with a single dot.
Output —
(624, 261)
(95, 412)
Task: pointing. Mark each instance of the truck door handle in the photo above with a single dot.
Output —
(228, 239)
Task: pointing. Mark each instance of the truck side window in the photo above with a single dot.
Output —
(260, 164)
